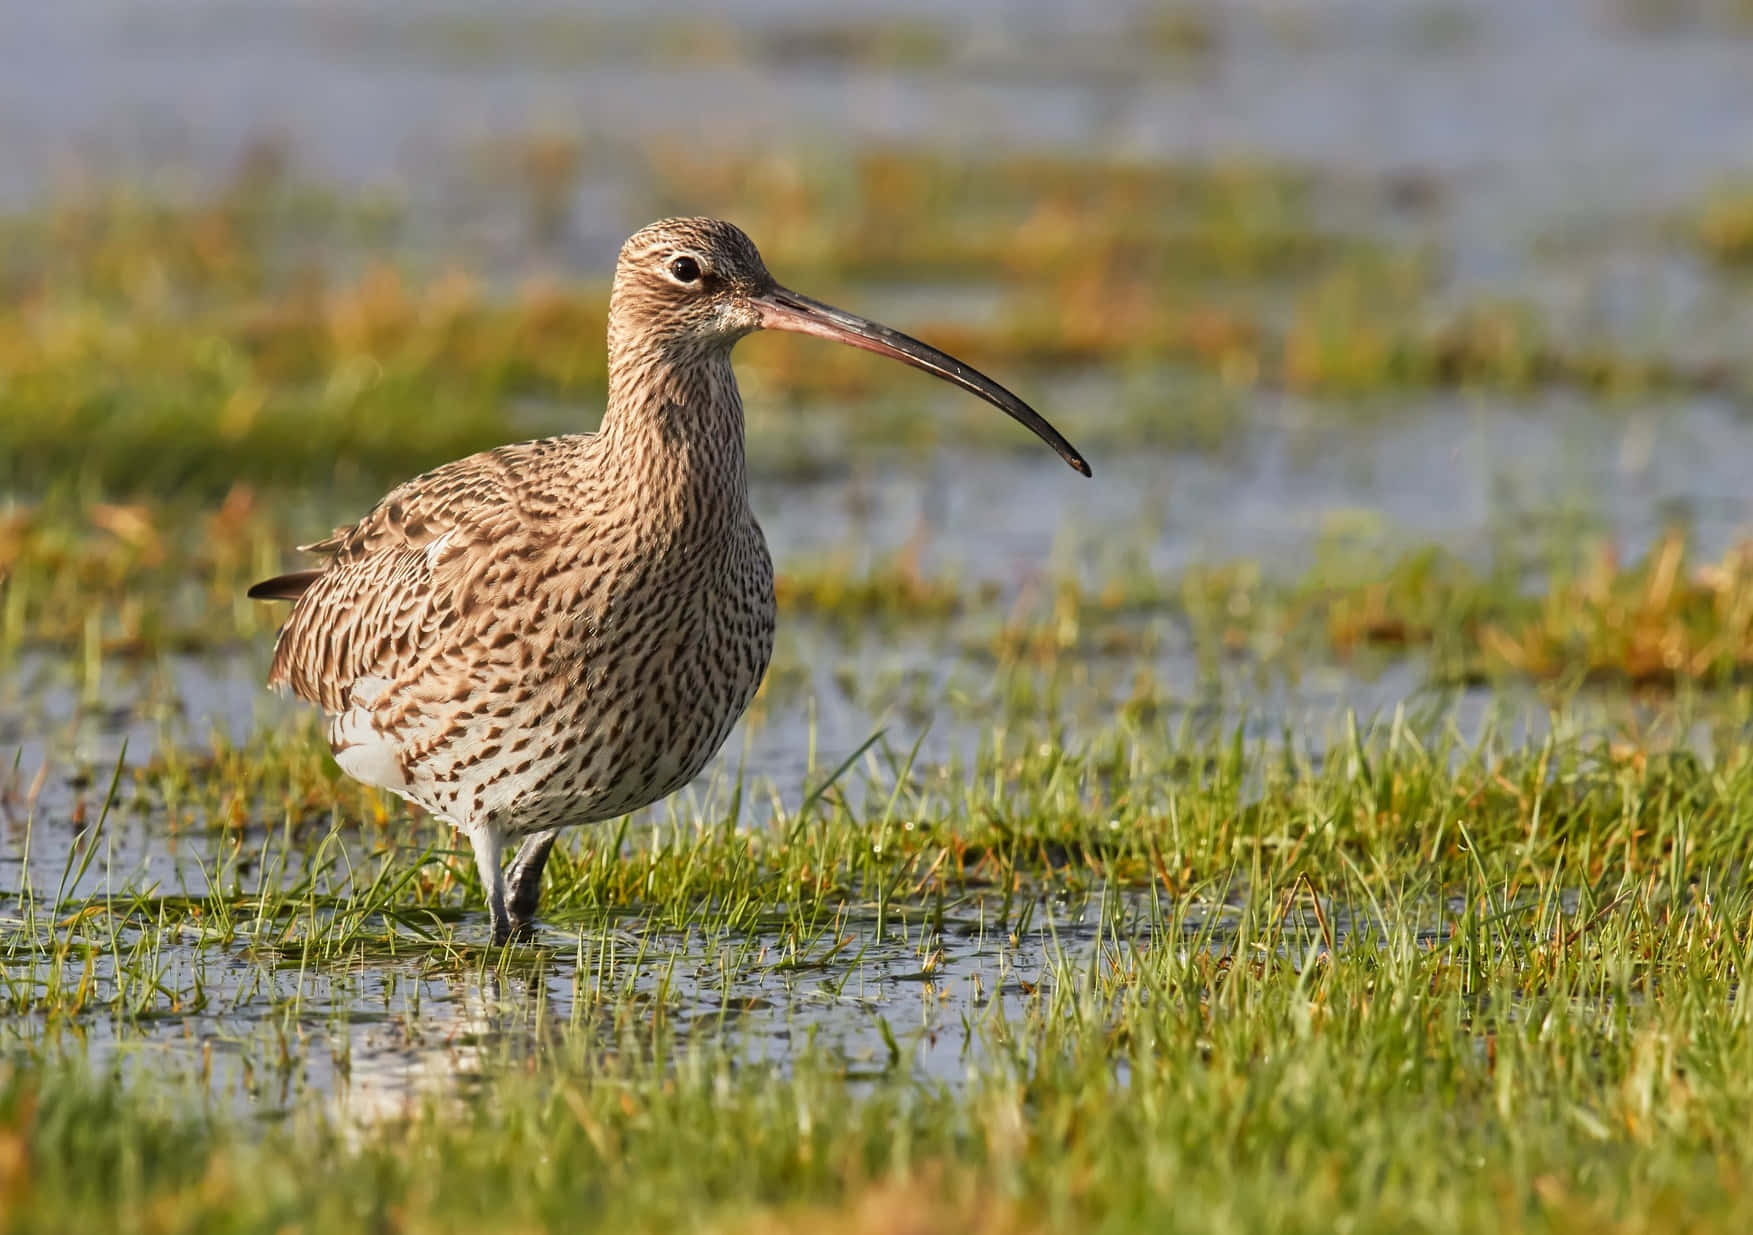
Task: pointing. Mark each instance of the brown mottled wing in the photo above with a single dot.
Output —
(418, 511)
(393, 587)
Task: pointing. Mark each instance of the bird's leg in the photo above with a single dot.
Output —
(489, 846)
(525, 876)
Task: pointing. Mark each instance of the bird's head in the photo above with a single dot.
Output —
(693, 287)
(690, 283)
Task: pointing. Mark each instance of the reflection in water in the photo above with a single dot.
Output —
(379, 1036)
(364, 94)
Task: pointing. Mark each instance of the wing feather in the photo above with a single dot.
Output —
(397, 581)
(421, 510)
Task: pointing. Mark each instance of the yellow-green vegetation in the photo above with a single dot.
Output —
(1724, 226)
(1084, 937)
(267, 330)
(157, 348)
(1658, 621)
(164, 578)
(1414, 985)
(176, 576)
(1731, 18)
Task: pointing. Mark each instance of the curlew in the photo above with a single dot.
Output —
(561, 631)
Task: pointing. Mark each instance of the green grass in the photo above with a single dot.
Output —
(1113, 961)
(263, 330)
(1423, 984)
(1565, 611)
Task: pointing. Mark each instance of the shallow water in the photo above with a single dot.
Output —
(380, 1035)
(1532, 119)
(1462, 470)
(913, 991)
(1558, 106)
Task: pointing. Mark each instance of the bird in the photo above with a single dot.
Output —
(561, 631)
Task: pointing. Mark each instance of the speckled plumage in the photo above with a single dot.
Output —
(561, 631)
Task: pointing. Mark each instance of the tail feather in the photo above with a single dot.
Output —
(284, 587)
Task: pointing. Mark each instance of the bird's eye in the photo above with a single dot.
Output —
(685, 270)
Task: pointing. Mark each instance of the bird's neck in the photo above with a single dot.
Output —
(674, 428)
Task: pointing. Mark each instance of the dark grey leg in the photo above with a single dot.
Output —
(488, 845)
(524, 879)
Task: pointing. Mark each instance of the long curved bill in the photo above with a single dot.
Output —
(786, 310)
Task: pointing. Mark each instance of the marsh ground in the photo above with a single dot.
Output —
(1335, 815)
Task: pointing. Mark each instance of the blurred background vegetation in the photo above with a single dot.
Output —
(258, 264)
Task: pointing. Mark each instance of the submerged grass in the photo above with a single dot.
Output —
(1152, 1090)
(1417, 984)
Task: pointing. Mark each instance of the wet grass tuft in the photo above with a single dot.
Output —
(1414, 981)
(1125, 948)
